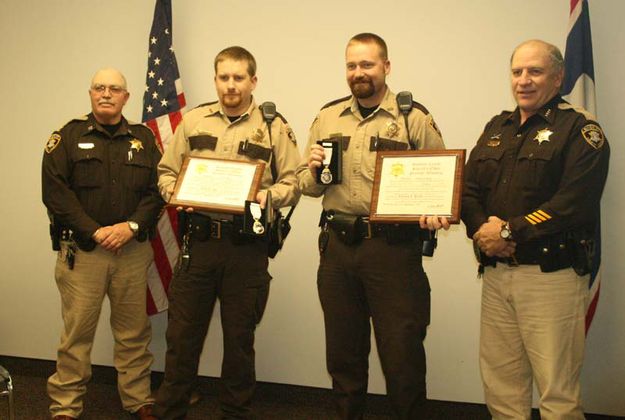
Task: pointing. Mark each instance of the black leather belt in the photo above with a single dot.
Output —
(204, 227)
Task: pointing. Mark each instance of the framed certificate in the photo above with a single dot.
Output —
(409, 184)
(217, 185)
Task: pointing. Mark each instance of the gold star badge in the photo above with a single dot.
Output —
(391, 129)
(543, 135)
(135, 144)
(257, 135)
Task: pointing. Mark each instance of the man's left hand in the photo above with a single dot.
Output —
(489, 239)
(113, 238)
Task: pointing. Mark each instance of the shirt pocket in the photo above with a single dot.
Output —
(138, 173)
(533, 167)
(88, 168)
(489, 166)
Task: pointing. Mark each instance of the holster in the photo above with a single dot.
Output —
(280, 229)
(349, 228)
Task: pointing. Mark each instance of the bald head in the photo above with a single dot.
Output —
(110, 75)
(108, 95)
(552, 53)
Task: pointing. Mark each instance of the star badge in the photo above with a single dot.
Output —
(135, 144)
(543, 135)
(391, 129)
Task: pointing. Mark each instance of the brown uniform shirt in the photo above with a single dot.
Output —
(545, 177)
(206, 131)
(92, 179)
(342, 118)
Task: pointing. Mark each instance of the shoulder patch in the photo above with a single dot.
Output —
(593, 134)
(336, 101)
(53, 141)
(206, 104)
(435, 127)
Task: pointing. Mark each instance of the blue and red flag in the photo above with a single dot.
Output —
(578, 88)
(163, 106)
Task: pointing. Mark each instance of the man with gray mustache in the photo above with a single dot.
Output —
(99, 186)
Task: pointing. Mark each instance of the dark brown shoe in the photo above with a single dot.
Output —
(63, 417)
(144, 413)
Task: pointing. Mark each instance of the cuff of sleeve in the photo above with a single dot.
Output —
(522, 231)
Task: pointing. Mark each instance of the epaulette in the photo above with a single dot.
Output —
(565, 106)
(336, 101)
(82, 118)
(278, 115)
(420, 107)
(140, 126)
(206, 104)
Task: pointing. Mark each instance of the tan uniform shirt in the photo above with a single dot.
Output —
(386, 125)
(206, 131)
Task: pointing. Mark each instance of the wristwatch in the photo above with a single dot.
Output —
(134, 227)
(506, 232)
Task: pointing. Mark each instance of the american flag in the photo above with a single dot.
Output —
(163, 106)
(579, 89)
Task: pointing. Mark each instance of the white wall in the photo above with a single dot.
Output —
(452, 55)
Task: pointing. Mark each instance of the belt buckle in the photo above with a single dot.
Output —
(368, 224)
(215, 229)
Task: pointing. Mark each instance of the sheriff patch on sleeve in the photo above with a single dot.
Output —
(593, 135)
(53, 141)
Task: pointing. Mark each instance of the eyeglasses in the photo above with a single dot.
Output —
(114, 89)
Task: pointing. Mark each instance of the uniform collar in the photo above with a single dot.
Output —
(547, 112)
(92, 125)
(388, 104)
(216, 108)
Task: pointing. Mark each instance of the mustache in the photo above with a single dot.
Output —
(362, 79)
(105, 103)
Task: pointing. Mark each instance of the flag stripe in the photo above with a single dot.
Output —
(163, 106)
(579, 89)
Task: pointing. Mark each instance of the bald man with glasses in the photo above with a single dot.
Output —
(99, 185)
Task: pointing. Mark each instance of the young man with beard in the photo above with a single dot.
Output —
(99, 185)
(377, 275)
(531, 204)
(223, 263)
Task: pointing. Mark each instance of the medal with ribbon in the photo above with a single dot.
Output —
(256, 211)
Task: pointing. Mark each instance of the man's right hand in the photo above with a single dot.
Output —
(315, 159)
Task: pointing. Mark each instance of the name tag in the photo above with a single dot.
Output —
(86, 145)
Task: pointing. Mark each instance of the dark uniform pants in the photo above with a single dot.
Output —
(385, 283)
(236, 275)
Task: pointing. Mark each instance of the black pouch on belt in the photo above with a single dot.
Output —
(349, 228)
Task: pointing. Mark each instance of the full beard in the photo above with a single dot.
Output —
(362, 88)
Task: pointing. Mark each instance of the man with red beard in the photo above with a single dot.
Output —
(223, 263)
(369, 272)
(99, 185)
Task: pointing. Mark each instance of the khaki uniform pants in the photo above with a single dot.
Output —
(123, 279)
(532, 327)
(374, 282)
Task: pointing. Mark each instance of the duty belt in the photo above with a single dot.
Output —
(204, 227)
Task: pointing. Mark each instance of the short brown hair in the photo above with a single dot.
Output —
(237, 54)
(371, 38)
